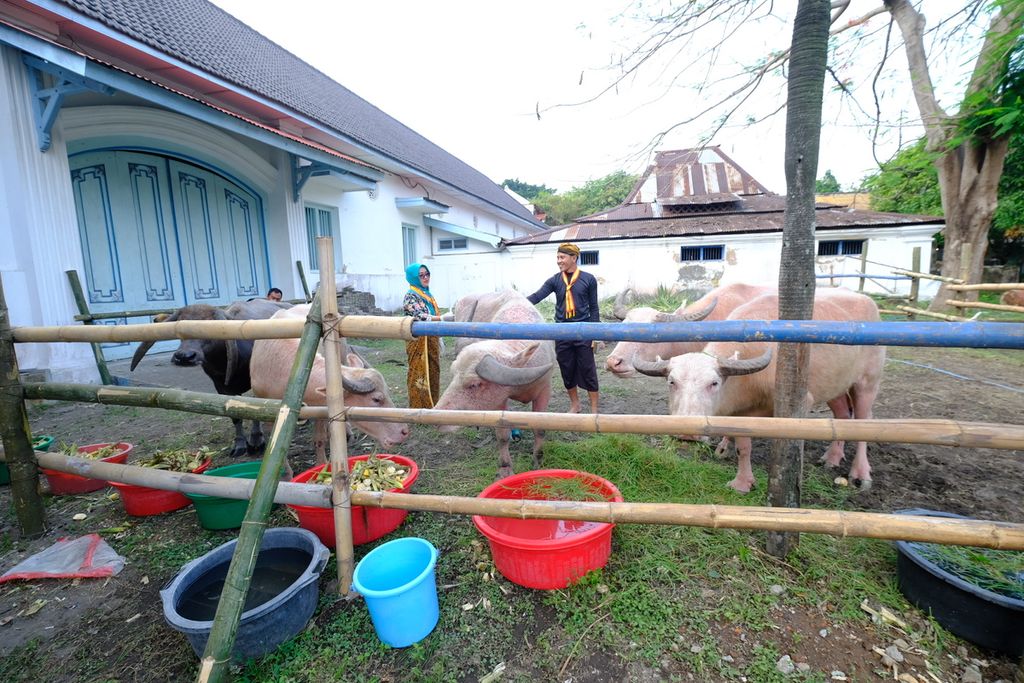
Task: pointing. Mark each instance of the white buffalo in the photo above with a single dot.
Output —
(363, 386)
(487, 374)
(732, 378)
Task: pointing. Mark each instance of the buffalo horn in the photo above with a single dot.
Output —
(620, 311)
(147, 345)
(356, 386)
(655, 368)
(691, 317)
(728, 366)
(472, 311)
(491, 370)
(231, 348)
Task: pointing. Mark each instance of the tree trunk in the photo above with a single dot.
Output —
(968, 173)
(969, 182)
(796, 273)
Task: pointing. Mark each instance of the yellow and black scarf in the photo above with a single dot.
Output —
(570, 305)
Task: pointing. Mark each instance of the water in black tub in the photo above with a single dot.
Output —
(275, 570)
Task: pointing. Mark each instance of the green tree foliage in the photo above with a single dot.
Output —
(908, 183)
(1006, 238)
(526, 190)
(594, 196)
(827, 184)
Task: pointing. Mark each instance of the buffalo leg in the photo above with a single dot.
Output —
(744, 480)
(863, 401)
(540, 405)
(841, 410)
(504, 457)
(239, 449)
(320, 441)
(256, 442)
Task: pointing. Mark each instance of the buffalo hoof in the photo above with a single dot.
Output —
(504, 472)
(255, 448)
(863, 485)
(239, 450)
(742, 486)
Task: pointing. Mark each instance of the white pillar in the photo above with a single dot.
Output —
(38, 228)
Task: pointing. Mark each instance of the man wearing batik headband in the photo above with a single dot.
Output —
(575, 301)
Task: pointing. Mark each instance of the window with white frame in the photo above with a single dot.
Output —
(588, 258)
(452, 243)
(409, 243)
(320, 222)
(840, 248)
(713, 252)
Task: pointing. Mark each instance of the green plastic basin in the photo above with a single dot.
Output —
(224, 513)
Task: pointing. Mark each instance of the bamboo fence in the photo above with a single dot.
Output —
(939, 432)
(979, 533)
(987, 306)
(333, 348)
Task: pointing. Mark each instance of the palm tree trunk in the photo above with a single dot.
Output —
(796, 273)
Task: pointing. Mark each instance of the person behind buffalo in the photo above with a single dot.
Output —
(575, 301)
(424, 353)
(275, 294)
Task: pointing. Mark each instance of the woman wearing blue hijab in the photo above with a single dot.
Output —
(424, 353)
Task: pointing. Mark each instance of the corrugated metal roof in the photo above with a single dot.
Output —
(738, 222)
(204, 36)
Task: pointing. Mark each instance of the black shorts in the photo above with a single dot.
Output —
(576, 361)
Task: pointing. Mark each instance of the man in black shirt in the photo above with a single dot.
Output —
(575, 301)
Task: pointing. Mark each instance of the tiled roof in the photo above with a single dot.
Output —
(204, 36)
(711, 223)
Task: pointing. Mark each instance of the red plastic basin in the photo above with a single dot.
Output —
(546, 553)
(368, 524)
(64, 484)
(142, 501)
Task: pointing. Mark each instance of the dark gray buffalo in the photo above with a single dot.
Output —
(225, 361)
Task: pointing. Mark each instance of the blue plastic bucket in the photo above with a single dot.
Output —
(397, 581)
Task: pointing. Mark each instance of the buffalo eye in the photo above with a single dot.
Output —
(714, 384)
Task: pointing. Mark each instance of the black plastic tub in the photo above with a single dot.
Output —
(272, 614)
(985, 618)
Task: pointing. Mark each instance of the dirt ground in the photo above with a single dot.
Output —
(919, 383)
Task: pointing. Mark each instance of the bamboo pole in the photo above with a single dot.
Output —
(890, 311)
(302, 279)
(988, 287)
(86, 317)
(83, 308)
(15, 434)
(287, 493)
(971, 532)
(927, 276)
(930, 314)
(333, 346)
(982, 304)
(364, 326)
(938, 432)
(217, 655)
(915, 283)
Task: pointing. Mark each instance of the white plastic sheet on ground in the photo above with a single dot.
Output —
(69, 558)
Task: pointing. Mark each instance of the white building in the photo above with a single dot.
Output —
(171, 155)
(696, 220)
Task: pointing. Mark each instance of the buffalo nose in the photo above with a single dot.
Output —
(184, 358)
(613, 362)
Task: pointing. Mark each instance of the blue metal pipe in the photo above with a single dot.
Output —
(970, 334)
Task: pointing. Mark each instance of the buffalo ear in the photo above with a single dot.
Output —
(523, 357)
(354, 360)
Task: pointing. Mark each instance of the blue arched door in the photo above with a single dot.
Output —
(159, 232)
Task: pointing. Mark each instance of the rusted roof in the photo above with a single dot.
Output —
(723, 223)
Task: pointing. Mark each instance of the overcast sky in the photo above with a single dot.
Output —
(469, 76)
